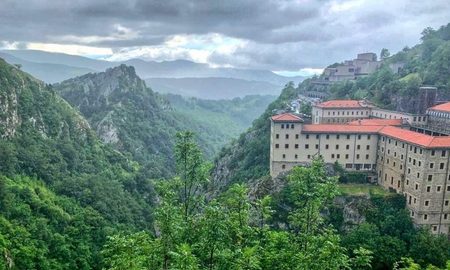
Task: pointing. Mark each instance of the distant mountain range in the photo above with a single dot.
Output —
(178, 77)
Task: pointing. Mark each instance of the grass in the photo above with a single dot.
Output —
(361, 189)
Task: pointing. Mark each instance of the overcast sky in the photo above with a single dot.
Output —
(290, 36)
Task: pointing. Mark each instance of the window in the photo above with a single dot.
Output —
(367, 156)
(284, 155)
(446, 202)
(358, 147)
(445, 216)
(296, 146)
(435, 228)
(287, 136)
(306, 146)
(338, 156)
(348, 137)
(283, 166)
(296, 136)
(296, 156)
(292, 126)
(332, 155)
(346, 156)
(282, 125)
(433, 152)
(438, 189)
(347, 146)
(307, 136)
(317, 146)
(428, 188)
(416, 187)
(425, 217)
(326, 146)
(327, 137)
(277, 145)
(337, 137)
(427, 203)
(430, 177)
(357, 156)
(286, 146)
(418, 175)
(441, 166)
(317, 136)
(277, 136)
(359, 137)
(337, 146)
(431, 165)
(443, 153)
(368, 137)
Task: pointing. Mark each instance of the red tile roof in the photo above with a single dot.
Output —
(377, 122)
(286, 117)
(444, 107)
(324, 128)
(416, 138)
(343, 104)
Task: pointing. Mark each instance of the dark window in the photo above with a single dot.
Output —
(359, 137)
(443, 153)
(431, 165)
(317, 146)
(317, 136)
(337, 137)
(296, 136)
(286, 146)
(307, 136)
(277, 145)
(348, 137)
(428, 188)
(287, 136)
(358, 147)
(368, 147)
(282, 125)
(283, 166)
(326, 146)
(346, 156)
(277, 136)
(347, 146)
(433, 152)
(292, 125)
(430, 177)
(328, 136)
(441, 166)
(296, 146)
(337, 146)
(306, 146)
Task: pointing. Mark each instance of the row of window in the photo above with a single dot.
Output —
(327, 146)
(327, 136)
(287, 126)
(348, 113)
(411, 148)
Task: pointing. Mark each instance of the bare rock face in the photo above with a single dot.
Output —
(107, 131)
(9, 119)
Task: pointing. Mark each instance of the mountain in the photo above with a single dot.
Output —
(62, 191)
(212, 88)
(135, 120)
(247, 158)
(47, 72)
(38, 63)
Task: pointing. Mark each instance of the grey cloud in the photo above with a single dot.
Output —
(281, 34)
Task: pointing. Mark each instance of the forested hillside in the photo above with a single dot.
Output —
(427, 63)
(79, 189)
(133, 119)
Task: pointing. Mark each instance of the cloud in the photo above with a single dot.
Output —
(270, 34)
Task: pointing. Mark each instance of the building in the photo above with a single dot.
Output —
(364, 64)
(378, 142)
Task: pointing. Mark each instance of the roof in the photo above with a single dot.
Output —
(348, 129)
(343, 104)
(286, 117)
(416, 138)
(377, 122)
(444, 107)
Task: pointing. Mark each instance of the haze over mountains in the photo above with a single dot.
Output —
(178, 77)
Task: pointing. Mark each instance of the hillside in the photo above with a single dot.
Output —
(425, 64)
(62, 190)
(129, 116)
(212, 87)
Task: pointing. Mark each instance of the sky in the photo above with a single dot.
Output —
(290, 37)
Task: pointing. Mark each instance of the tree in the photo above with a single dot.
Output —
(384, 53)
(192, 172)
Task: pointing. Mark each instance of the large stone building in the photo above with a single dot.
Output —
(364, 64)
(364, 138)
